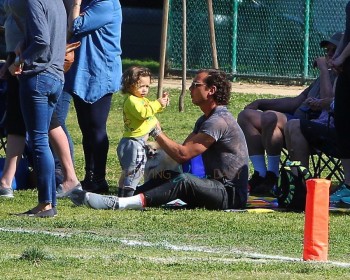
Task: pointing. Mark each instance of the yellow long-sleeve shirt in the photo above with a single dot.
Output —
(139, 115)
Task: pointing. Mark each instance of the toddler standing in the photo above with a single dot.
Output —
(139, 119)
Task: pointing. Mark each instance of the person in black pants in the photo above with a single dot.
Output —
(93, 78)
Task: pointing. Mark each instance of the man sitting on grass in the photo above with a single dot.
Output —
(217, 137)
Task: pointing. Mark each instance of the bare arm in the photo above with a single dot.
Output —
(340, 48)
(73, 14)
(320, 104)
(284, 105)
(326, 87)
(194, 145)
(337, 61)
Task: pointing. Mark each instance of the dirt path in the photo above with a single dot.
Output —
(243, 87)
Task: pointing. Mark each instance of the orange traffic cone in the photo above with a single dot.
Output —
(316, 220)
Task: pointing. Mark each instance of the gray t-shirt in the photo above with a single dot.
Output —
(227, 158)
(45, 37)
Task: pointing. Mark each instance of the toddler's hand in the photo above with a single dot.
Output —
(166, 95)
(164, 100)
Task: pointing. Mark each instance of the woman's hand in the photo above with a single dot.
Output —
(16, 67)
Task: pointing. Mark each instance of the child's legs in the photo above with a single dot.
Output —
(132, 158)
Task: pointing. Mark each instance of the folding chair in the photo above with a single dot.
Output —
(325, 162)
(328, 158)
(324, 159)
(321, 163)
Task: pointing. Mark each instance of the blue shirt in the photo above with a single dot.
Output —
(97, 66)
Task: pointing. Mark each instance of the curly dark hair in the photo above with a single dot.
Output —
(131, 77)
(219, 79)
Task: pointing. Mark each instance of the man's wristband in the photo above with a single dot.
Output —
(155, 132)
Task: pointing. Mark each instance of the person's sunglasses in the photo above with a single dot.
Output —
(196, 84)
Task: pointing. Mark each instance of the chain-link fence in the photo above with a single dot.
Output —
(269, 39)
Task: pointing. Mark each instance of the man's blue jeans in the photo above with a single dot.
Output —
(38, 97)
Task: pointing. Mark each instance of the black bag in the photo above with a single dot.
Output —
(291, 189)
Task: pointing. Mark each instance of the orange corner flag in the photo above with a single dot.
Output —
(316, 220)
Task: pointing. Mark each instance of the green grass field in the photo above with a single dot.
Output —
(82, 243)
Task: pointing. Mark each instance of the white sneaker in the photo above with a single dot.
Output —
(98, 201)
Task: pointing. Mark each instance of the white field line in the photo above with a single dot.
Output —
(242, 255)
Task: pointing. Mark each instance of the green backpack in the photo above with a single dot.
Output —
(291, 188)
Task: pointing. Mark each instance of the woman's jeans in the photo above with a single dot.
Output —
(38, 97)
(62, 109)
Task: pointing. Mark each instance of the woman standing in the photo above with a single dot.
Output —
(39, 66)
(93, 78)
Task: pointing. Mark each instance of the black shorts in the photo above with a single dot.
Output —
(14, 118)
(320, 136)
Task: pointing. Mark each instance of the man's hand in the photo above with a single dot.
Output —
(319, 104)
(321, 63)
(156, 131)
(336, 63)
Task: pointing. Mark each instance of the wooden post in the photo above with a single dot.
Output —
(212, 34)
(163, 47)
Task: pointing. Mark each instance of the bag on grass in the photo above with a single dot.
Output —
(291, 188)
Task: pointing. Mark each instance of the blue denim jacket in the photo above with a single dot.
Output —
(97, 66)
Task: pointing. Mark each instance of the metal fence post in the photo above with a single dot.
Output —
(306, 39)
(234, 37)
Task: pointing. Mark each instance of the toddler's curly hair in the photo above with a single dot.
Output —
(131, 78)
